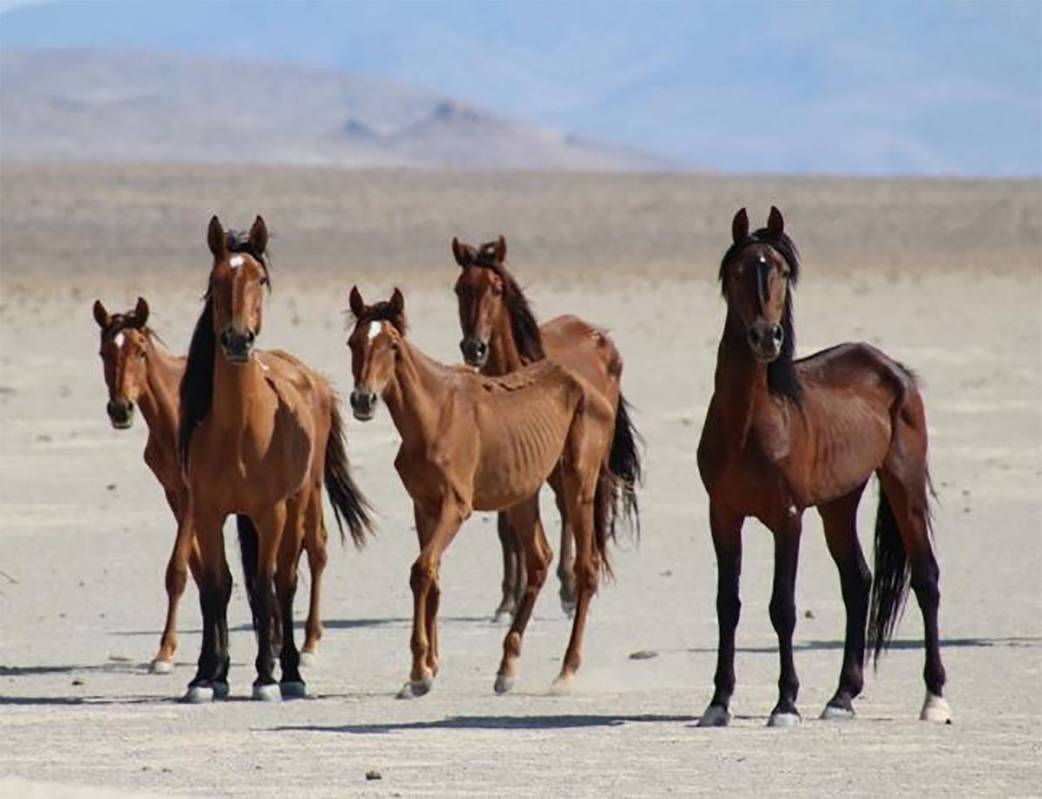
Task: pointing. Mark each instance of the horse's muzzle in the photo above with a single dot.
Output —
(475, 351)
(363, 404)
(237, 345)
(766, 341)
(121, 414)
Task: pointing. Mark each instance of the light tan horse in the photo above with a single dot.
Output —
(482, 443)
(501, 335)
(258, 434)
(140, 372)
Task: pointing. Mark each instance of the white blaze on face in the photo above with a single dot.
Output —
(374, 330)
(236, 261)
(119, 339)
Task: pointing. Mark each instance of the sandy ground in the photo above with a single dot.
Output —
(85, 536)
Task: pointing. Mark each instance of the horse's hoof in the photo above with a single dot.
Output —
(715, 716)
(295, 689)
(563, 685)
(220, 690)
(308, 659)
(568, 607)
(267, 692)
(936, 709)
(837, 713)
(161, 666)
(502, 615)
(416, 688)
(504, 682)
(784, 720)
(198, 695)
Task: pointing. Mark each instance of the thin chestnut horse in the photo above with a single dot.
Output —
(783, 435)
(471, 442)
(501, 335)
(140, 372)
(259, 433)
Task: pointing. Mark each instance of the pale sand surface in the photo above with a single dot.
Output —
(86, 534)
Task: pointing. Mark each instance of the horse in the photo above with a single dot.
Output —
(259, 433)
(471, 442)
(500, 335)
(783, 435)
(140, 372)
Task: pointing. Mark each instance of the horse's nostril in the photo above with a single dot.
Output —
(777, 334)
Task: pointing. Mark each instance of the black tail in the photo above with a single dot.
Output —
(890, 583)
(349, 505)
(624, 461)
(604, 506)
(249, 548)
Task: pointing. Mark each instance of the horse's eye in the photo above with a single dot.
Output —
(496, 291)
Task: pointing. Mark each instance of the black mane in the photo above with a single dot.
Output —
(196, 390)
(782, 380)
(527, 338)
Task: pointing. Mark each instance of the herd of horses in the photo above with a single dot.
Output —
(235, 430)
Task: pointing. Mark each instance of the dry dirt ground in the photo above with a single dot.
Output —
(945, 276)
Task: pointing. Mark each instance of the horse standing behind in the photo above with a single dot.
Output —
(140, 372)
(501, 335)
(259, 433)
(783, 435)
(471, 442)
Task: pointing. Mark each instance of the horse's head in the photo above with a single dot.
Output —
(375, 343)
(124, 349)
(756, 275)
(480, 289)
(237, 280)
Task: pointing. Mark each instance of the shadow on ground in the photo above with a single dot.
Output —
(561, 722)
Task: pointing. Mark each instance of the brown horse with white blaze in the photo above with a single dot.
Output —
(501, 335)
(259, 433)
(141, 373)
(471, 442)
(782, 435)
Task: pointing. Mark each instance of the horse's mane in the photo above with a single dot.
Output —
(384, 311)
(782, 380)
(196, 391)
(527, 338)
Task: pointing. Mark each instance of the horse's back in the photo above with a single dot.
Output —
(587, 350)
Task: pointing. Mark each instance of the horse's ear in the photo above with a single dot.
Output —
(215, 238)
(259, 236)
(463, 253)
(740, 226)
(501, 249)
(101, 316)
(356, 302)
(397, 301)
(775, 223)
(140, 312)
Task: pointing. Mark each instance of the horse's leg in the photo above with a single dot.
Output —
(511, 565)
(435, 532)
(726, 528)
(270, 527)
(783, 618)
(211, 677)
(840, 521)
(176, 578)
(315, 542)
(291, 684)
(906, 491)
(524, 518)
(566, 557)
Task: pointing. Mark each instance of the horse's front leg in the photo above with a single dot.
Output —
(185, 555)
(726, 528)
(783, 617)
(512, 577)
(211, 677)
(270, 526)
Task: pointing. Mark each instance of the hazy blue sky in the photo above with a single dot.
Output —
(910, 87)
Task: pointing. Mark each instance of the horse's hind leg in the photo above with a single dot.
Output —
(291, 684)
(524, 518)
(315, 542)
(513, 569)
(840, 520)
(783, 618)
(566, 556)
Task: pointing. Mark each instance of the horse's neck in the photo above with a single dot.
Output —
(740, 381)
(504, 356)
(233, 387)
(158, 402)
(413, 397)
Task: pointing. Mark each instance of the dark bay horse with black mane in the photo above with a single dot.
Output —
(259, 434)
(501, 335)
(783, 435)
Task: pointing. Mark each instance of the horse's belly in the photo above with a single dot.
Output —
(497, 489)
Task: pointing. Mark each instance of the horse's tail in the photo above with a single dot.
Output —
(624, 461)
(249, 549)
(604, 507)
(349, 504)
(890, 582)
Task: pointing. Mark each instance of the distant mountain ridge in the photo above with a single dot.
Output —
(132, 105)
